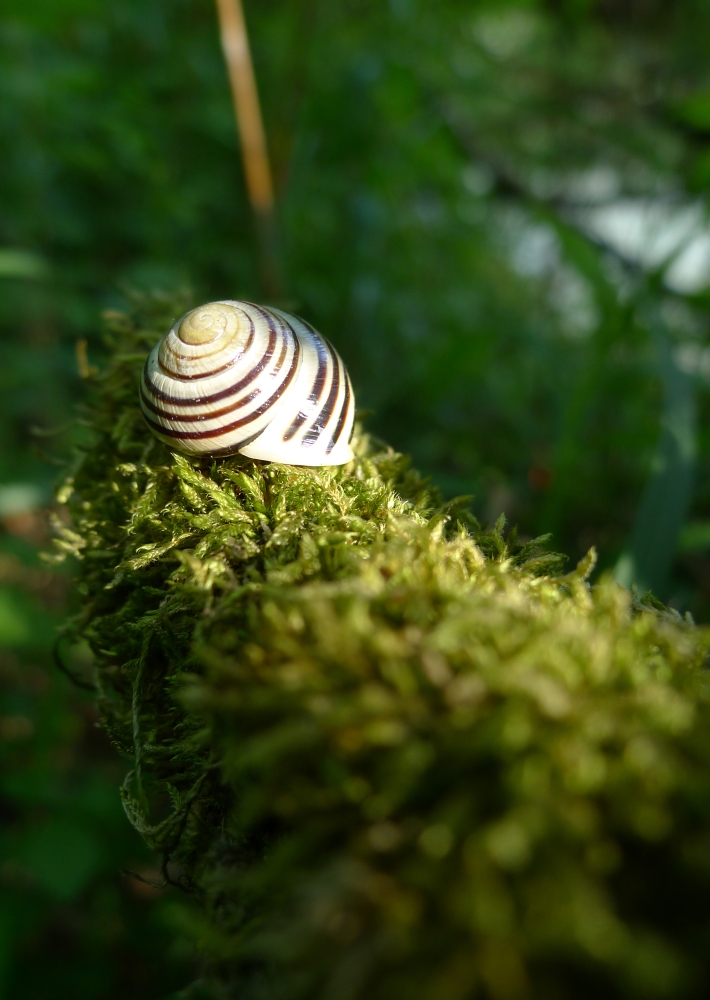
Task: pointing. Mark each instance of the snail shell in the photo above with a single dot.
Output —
(236, 377)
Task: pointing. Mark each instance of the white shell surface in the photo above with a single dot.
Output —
(237, 377)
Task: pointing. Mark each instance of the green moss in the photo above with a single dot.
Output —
(394, 755)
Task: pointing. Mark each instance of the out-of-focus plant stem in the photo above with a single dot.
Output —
(235, 44)
(648, 556)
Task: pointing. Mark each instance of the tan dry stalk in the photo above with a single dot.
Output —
(235, 44)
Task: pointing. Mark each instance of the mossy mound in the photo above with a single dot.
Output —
(403, 758)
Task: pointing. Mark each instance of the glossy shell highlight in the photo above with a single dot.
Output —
(237, 377)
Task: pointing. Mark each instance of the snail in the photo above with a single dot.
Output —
(237, 377)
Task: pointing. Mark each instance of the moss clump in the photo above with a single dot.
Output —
(402, 757)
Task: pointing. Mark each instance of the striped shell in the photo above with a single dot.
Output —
(235, 377)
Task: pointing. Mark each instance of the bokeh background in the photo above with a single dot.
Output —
(497, 212)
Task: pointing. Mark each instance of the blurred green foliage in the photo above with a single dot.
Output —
(457, 180)
(71, 926)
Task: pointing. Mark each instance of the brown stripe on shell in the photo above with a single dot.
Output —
(230, 449)
(341, 419)
(192, 417)
(321, 421)
(249, 418)
(191, 378)
(316, 389)
(271, 318)
(210, 354)
(215, 371)
(231, 390)
(284, 352)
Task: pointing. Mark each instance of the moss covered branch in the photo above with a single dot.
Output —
(393, 754)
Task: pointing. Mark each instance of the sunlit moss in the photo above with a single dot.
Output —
(394, 754)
